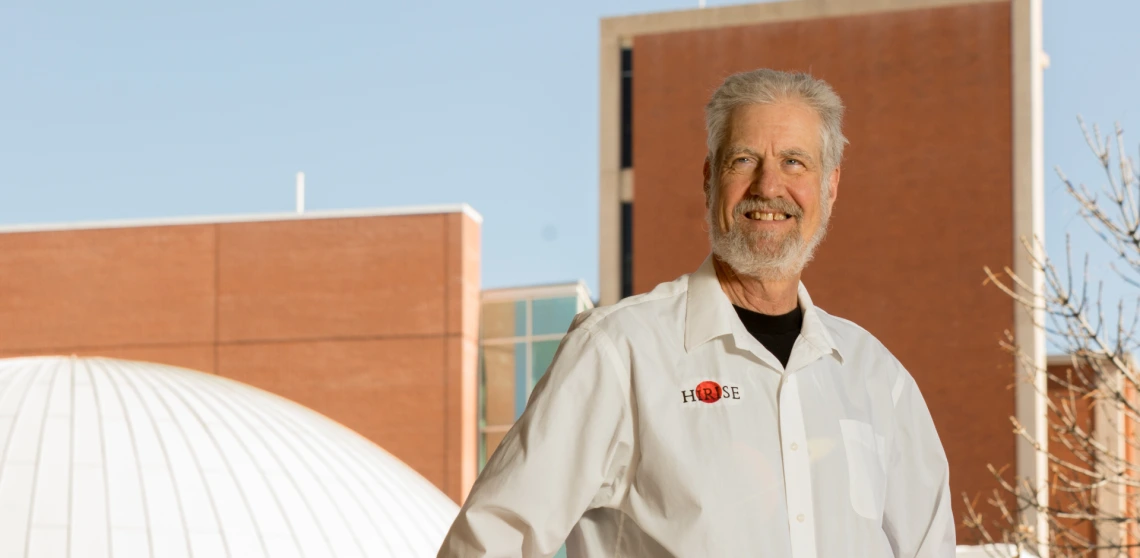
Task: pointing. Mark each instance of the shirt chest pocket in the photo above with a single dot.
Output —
(866, 467)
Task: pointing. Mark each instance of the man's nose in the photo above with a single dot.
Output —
(767, 183)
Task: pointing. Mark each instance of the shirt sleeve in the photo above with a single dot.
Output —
(917, 516)
(567, 453)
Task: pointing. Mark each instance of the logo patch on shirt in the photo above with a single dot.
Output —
(709, 392)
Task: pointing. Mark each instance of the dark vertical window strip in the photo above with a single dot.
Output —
(626, 249)
(626, 108)
(626, 163)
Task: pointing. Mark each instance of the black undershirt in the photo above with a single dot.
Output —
(777, 333)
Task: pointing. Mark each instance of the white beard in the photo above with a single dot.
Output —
(761, 255)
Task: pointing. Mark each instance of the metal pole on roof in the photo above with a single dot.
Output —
(300, 192)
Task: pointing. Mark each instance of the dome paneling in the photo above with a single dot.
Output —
(103, 457)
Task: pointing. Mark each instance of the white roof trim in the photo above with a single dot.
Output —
(247, 218)
(1067, 360)
(578, 289)
(1058, 360)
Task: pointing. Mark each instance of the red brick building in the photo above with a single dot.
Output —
(371, 318)
(368, 317)
(943, 176)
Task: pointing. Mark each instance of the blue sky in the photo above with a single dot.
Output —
(132, 109)
(1094, 72)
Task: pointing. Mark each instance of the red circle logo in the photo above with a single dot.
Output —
(708, 391)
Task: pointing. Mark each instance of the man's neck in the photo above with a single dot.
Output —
(769, 296)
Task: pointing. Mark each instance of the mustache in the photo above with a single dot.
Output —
(778, 204)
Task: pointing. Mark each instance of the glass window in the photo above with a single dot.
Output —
(499, 320)
(499, 373)
(520, 319)
(481, 418)
(522, 385)
(512, 361)
(492, 441)
(626, 249)
(542, 354)
(553, 315)
(626, 119)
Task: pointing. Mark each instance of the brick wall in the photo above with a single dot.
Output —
(371, 321)
(924, 202)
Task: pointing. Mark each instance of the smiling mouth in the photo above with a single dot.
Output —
(767, 215)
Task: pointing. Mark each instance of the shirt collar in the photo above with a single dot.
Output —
(813, 330)
(709, 313)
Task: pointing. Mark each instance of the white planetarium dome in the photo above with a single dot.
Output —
(112, 458)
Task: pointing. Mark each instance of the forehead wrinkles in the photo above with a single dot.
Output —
(773, 128)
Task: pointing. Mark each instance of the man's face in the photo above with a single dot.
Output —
(766, 210)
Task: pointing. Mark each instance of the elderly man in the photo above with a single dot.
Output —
(723, 414)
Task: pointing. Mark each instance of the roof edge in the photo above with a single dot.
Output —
(690, 19)
(246, 218)
(570, 288)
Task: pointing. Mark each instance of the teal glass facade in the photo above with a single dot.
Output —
(520, 332)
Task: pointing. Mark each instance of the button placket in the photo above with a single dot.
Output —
(797, 471)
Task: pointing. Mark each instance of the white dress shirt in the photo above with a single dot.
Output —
(664, 429)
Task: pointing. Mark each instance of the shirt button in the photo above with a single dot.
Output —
(795, 446)
(800, 518)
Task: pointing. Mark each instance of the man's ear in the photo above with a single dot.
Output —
(708, 182)
(834, 182)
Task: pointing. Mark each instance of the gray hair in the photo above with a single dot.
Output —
(766, 86)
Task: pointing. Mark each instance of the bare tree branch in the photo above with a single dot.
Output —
(1093, 489)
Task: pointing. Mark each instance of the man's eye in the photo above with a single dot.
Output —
(793, 162)
(741, 160)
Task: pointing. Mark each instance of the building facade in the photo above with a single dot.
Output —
(521, 329)
(368, 317)
(943, 176)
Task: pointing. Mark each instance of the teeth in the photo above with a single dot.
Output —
(766, 216)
